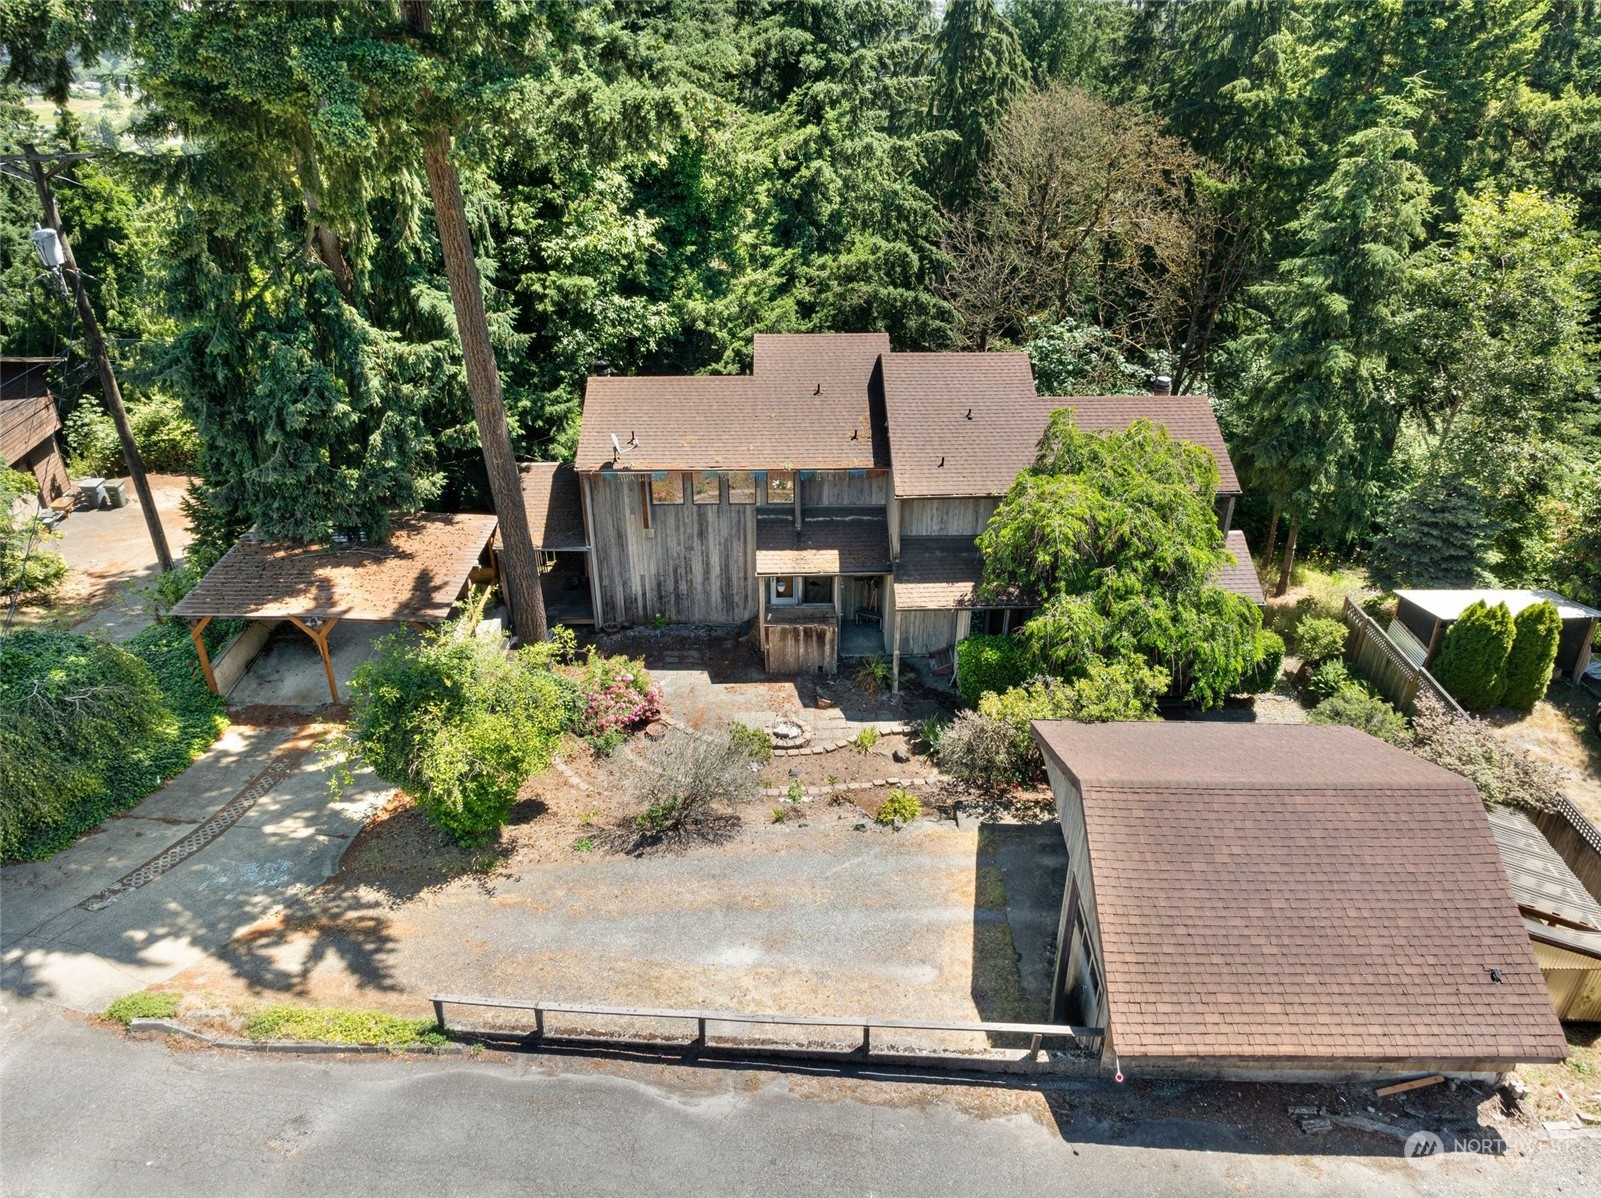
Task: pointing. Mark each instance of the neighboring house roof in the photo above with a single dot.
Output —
(1448, 605)
(968, 424)
(1241, 577)
(24, 378)
(555, 507)
(1298, 892)
(944, 572)
(807, 405)
(416, 575)
(854, 544)
(28, 414)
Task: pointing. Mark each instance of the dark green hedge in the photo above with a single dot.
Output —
(1472, 659)
(1264, 676)
(1534, 651)
(88, 728)
(990, 663)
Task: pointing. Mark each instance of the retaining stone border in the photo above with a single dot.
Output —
(782, 792)
(567, 772)
(886, 728)
(169, 1027)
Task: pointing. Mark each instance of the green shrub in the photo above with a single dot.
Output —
(1264, 676)
(1355, 706)
(1329, 679)
(900, 805)
(1471, 664)
(604, 744)
(1537, 630)
(26, 561)
(753, 742)
(337, 1025)
(143, 1005)
(875, 675)
(981, 750)
(1108, 692)
(864, 740)
(167, 440)
(1468, 746)
(795, 792)
(87, 728)
(931, 730)
(458, 725)
(989, 663)
(1319, 639)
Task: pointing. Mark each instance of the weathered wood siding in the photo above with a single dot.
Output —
(925, 631)
(945, 517)
(838, 488)
(24, 423)
(1083, 945)
(696, 564)
(802, 648)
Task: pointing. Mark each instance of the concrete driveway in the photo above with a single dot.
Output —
(246, 828)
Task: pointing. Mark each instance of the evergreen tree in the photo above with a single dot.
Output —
(1534, 652)
(978, 68)
(1438, 536)
(1472, 660)
(1316, 429)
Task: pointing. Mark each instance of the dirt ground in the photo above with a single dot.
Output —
(110, 562)
(1558, 733)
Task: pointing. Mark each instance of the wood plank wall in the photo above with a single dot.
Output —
(946, 517)
(837, 488)
(698, 563)
(925, 631)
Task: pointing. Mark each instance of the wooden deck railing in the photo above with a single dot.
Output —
(1085, 1039)
(1370, 649)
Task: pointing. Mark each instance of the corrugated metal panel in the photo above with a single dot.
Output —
(1541, 880)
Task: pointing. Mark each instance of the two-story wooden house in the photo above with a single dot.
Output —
(829, 498)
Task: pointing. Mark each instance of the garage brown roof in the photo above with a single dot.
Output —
(808, 403)
(855, 544)
(968, 424)
(555, 508)
(1298, 892)
(418, 574)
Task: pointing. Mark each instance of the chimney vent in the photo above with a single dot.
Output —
(603, 368)
(1162, 385)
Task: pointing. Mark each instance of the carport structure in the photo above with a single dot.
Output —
(416, 577)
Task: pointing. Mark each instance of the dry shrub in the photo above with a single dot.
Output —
(684, 791)
(1465, 745)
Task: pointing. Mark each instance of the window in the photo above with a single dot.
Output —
(741, 486)
(780, 487)
(708, 487)
(782, 591)
(817, 589)
(667, 487)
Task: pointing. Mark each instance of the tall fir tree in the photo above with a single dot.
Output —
(978, 68)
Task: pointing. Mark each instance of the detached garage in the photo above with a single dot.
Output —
(1285, 902)
(1427, 614)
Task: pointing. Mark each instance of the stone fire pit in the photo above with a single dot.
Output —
(789, 734)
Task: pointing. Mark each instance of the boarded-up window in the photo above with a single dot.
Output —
(817, 589)
(780, 486)
(708, 487)
(667, 487)
(741, 486)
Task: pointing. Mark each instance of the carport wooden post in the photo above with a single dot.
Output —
(196, 627)
(319, 637)
(895, 658)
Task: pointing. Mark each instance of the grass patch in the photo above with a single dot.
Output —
(337, 1025)
(143, 1005)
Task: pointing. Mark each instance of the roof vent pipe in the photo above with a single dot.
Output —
(1162, 385)
(603, 368)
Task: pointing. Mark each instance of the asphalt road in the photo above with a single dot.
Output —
(87, 1112)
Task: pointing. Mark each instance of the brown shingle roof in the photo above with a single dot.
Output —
(808, 404)
(928, 398)
(1298, 892)
(857, 544)
(416, 575)
(555, 508)
(1241, 577)
(943, 572)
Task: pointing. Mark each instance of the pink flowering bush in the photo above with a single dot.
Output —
(618, 696)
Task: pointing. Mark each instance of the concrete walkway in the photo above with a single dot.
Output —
(153, 891)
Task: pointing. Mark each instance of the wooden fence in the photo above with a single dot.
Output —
(1576, 840)
(1380, 660)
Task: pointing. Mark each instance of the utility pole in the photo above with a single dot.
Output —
(35, 164)
(520, 580)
